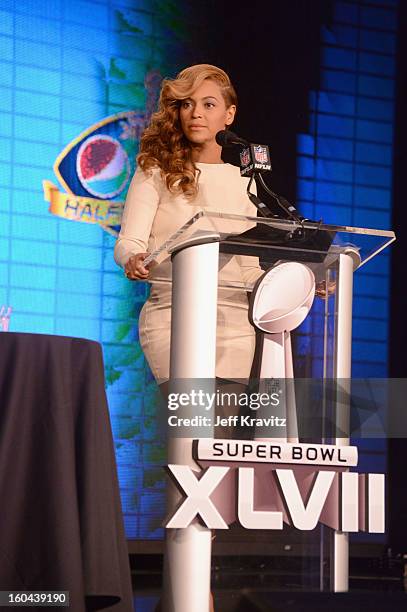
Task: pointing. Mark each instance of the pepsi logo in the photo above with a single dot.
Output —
(103, 166)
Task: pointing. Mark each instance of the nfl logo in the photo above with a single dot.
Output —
(245, 157)
(260, 154)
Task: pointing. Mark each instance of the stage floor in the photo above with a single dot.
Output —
(277, 584)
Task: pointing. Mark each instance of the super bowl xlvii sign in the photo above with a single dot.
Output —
(264, 484)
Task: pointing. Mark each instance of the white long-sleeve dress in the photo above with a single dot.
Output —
(151, 215)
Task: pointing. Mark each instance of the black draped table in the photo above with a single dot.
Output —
(61, 525)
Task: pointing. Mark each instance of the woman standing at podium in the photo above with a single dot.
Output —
(180, 171)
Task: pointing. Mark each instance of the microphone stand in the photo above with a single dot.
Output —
(282, 202)
(263, 208)
(257, 160)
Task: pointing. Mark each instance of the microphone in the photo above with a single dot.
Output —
(254, 160)
(226, 138)
(253, 157)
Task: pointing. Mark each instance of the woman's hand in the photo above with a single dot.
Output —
(324, 291)
(134, 269)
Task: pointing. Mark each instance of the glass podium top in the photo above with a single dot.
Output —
(271, 240)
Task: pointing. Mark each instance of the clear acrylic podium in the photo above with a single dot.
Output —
(190, 259)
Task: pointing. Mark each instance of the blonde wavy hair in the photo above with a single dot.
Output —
(163, 143)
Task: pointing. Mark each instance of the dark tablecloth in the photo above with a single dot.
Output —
(61, 524)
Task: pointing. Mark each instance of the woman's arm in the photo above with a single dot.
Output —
(138, 216)
(249, 264)
(250, 269)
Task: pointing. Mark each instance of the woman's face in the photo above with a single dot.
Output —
(204, 113)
